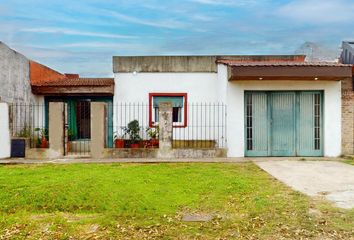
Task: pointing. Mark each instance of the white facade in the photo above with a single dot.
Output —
(331, 113)
(215, 87)
(201, 88)
(135, 87)
(4, 131)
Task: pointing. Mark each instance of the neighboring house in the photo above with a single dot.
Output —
(347, 55)
(76, 92)
(29, 87)
(14, 77)
(276, 105)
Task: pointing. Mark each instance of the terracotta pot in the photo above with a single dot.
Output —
(44, 143)
(134, 145)
(119, 143)
(154, 142)
(68, 146)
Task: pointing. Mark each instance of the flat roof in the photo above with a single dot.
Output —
(126, 64)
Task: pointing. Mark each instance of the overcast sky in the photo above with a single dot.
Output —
(81, 36)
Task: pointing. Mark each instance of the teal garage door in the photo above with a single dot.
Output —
(283, 123)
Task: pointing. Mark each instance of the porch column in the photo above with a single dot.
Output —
(4, 131)
(165, 134)
(97, 129)
(56, 129)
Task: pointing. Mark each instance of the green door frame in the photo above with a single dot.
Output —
(67, 99)
(266, 149)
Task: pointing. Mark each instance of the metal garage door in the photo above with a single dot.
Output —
(283, 123)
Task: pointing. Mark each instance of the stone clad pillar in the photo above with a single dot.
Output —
(56, 129)
(97, 129)
(165, 134)
(4, 131)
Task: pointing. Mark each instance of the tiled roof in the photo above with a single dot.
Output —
(40, 73)
(79, 82)
(278, 64)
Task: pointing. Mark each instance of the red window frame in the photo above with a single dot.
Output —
(184, 95)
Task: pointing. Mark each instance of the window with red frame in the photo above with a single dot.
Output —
(179, 107)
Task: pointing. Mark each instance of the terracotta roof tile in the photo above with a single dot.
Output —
(40, 73)
(71, 82)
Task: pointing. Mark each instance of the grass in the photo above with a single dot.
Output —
(349, 161)
(147, 201)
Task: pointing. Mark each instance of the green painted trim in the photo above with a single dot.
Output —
(66, 99)
(296, 121)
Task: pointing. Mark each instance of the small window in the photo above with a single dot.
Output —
(179, 108)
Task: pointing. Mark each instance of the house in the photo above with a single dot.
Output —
(276, 105)
(52, 86)
(347, 55)
(29, 87)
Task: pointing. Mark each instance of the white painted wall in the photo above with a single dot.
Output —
(332, 111)
(215, 87)
(201, 88)
(4, 131)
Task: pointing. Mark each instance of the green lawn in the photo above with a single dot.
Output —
(147, 201)
(349, 161)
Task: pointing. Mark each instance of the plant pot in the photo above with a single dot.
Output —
(154, 142)
(134, 145)
(119, 143)
(68, 146)
(44, 143)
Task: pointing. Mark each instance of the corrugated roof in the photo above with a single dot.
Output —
(278, 64)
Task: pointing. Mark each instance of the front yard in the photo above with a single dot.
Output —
(148, 201)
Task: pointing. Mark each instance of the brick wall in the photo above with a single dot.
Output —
(347, 117)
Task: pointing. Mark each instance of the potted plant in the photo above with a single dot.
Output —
(119, 141)
(132, 130)
(42, 141)
(68, 144)
(27, 134)
(153, 133)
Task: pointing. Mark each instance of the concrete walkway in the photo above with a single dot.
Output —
(334, 180)
(71, 160)
(86, 159)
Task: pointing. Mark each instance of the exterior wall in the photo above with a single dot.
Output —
(4, 131)
(14, 77)
(331, 113)
(16, 88)
(200, 88)
(210, 87)
(347, 117)
(56, 132)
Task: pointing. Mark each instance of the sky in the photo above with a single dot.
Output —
(81, 36)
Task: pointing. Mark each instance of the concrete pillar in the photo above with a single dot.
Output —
(56, 129)
(5, 138)
(165, 134)
(97, 129)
